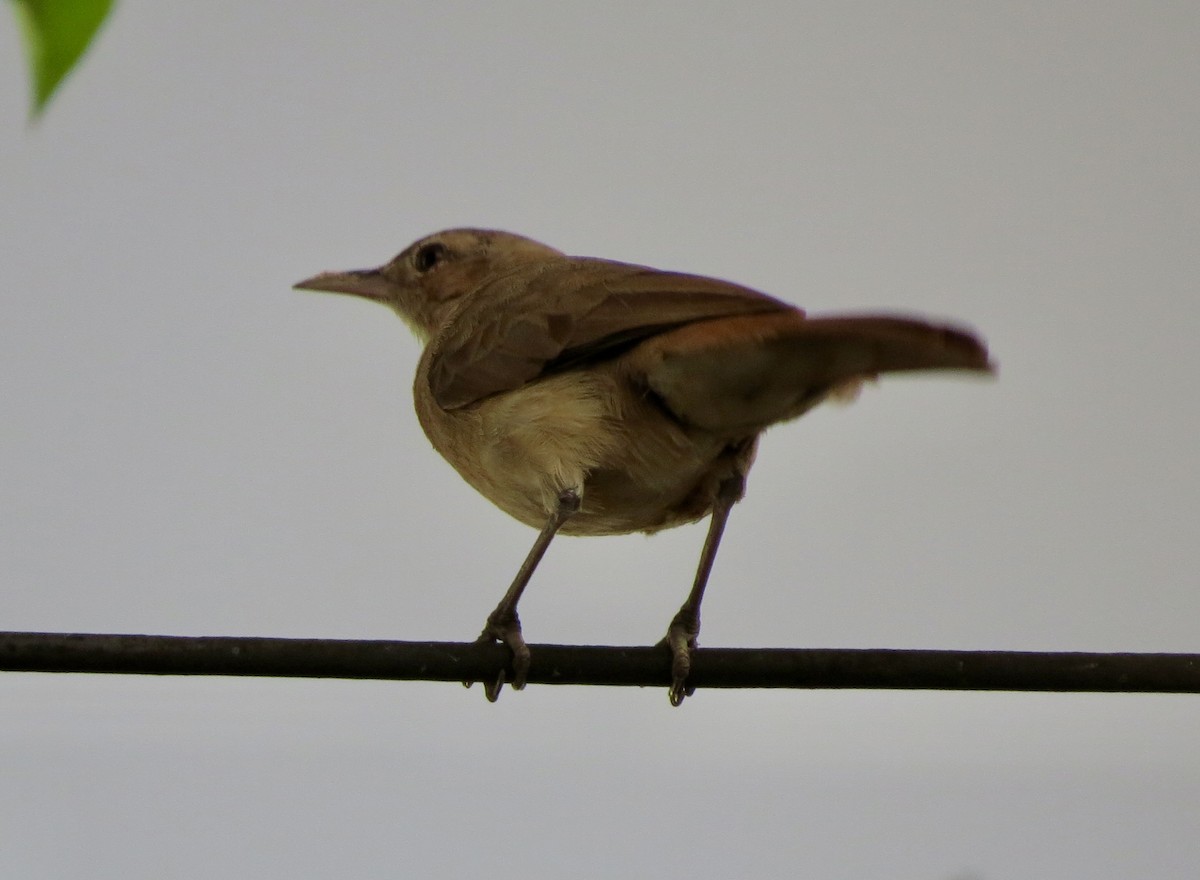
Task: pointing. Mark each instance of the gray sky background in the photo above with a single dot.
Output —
(187, 446)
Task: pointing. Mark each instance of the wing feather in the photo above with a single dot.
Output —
(559, 314)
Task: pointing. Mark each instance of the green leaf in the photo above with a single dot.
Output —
(57, 33)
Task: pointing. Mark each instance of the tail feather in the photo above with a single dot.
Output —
(748, 372)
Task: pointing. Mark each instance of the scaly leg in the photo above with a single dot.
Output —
(503, 625)
(685, 626)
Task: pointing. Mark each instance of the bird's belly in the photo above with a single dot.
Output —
(636, 468)
(662, 476)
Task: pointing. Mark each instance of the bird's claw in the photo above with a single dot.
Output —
(681, 640)
(507, 629)
(491, 689)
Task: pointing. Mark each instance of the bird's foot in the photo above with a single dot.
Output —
(681, 640)
(506, 628)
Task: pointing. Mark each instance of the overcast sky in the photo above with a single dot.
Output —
(187, 446)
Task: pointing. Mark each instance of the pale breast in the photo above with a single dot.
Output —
(591, 431)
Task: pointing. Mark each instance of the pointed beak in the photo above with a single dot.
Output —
(368, 283)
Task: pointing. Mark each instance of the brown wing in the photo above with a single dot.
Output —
(550, 316)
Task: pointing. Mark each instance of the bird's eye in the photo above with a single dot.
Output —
(429, 255)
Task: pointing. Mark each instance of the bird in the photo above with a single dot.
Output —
(586, 396)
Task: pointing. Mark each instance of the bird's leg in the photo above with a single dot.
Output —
(685, 626)
(503, 625)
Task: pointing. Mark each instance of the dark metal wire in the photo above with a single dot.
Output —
(602, 665)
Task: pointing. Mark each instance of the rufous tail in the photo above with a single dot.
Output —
(752, 371)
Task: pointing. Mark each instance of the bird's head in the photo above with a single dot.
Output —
(426, 280)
